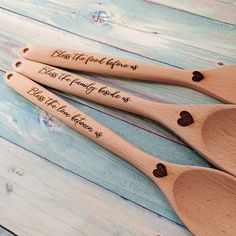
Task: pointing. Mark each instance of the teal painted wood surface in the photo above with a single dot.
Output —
(150, 32)
(41, 199)
(4, 232)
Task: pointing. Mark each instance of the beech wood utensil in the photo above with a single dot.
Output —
(209, 129)
(204, 198)
(216, 82)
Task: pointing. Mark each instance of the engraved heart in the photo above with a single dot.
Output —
(186, 119)
(197, 76)
(160, 171)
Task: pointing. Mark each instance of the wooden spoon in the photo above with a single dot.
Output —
(204, 198)
(209, 129)
(216, 82)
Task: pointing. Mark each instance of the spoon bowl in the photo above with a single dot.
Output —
(209, 129)
(205, 199)
(219, 137)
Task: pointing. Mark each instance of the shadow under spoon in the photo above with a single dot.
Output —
(203, 198)
(209, 129)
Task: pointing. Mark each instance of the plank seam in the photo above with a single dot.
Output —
(192, 13)
(9, 231)
(182, 43)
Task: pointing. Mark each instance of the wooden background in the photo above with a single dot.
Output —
(53, 181)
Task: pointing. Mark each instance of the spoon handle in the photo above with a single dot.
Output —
(94, 91)
(106, 65)
(85, 125)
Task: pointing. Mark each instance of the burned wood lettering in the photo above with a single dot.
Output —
(63, 110)
(88, 86)
(37, 94)
(87, 59)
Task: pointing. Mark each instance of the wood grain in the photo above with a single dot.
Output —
(38, 198)
(223, 11)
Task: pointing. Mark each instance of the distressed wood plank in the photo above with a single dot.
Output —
(155, 31)
(26, 125)
(224, 11)
(38, 198)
